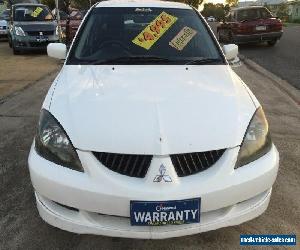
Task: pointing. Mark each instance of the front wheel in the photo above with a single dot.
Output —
(272, 43)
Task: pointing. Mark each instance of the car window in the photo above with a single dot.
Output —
(252, 14)
(175, 34)
(32, 13)
(4, 15)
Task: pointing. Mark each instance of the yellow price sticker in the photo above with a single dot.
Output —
(37, 11)
(154, 30)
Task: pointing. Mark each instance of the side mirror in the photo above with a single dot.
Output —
(231, 51)
(57, 50)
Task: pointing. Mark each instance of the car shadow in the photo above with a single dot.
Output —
(255, 46)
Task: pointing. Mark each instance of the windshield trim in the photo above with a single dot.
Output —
(75, 41)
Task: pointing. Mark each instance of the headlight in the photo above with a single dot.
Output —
(257, 140)
(19, 31)
(53, 144)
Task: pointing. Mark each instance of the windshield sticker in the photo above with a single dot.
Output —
(154, 30)
(37, 12)
(183, 38)
(143, 10)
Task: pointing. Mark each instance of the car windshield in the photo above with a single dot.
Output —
(144, 36)
(4, 15)
(32, 13)
(252, 14)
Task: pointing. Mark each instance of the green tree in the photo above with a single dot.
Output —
(232, 3)
(282, 11)
(49, 3)
(219, 11)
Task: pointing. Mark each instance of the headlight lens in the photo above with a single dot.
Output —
(52, 143)
(257, 140)
(19, 31)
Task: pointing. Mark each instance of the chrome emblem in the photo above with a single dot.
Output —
(41, 33)
(162, 175)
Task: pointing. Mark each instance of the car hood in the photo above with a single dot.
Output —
(151, 109)
(37, 26)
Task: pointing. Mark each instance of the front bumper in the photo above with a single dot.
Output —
(31, 43)
(83, 222)
(262, 37)
(3, 33)
(101, 197)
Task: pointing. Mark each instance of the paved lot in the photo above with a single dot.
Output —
(22, 228)
(17, 72)
(283, 59)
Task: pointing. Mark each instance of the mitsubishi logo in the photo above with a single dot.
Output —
(162, 175)
(41, 33)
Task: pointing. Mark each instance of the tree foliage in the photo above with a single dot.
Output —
(232, 3)
(219, 11)
(49, 3)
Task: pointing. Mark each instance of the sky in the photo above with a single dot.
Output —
(218, 1)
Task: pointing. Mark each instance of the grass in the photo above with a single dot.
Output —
(291, 24)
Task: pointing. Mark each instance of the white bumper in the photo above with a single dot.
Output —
(102, 197)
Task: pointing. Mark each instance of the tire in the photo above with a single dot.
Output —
(272, 43)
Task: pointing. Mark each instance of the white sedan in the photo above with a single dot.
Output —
(147, 132)
(211, 19)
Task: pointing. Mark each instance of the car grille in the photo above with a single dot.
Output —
(38, 44)
(192, 163)
(37, 33)
(126, 164)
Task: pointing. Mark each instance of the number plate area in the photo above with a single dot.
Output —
(158, 213)
(261, 28)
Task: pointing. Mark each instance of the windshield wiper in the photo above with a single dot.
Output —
(125, 59)
(202, 61)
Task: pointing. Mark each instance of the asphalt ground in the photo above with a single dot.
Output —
(22, 228)
(283, 59)
(17, 72)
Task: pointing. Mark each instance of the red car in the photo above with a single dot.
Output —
(250, 24)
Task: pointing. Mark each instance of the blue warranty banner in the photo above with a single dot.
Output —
(268, 240)
(158, 213)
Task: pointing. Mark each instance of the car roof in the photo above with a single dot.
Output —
(142, 3)
(249, 8)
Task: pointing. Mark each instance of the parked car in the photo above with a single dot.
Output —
(250, 24)
(32, 27)
(211, 19)
(147, 124)
(4, 18)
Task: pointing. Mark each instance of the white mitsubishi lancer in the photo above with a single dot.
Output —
(147, 132)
